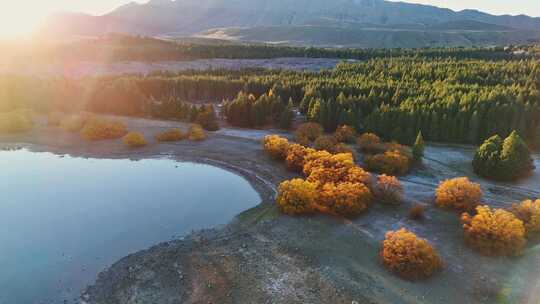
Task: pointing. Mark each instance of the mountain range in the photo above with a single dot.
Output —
(350, 23)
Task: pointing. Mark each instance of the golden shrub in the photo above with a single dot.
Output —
(345, 199)
(409, 256)
(494, 232)
(390, 162)
(345, 134)
(101, 129)
(135, 140)
(296, 155)
(343, 148)
(529, 212)
(297, 197)
(171, 135)
(356, 174)
(325, 160)
(74, 123)
(458, 193)
(16, 121)
(368, 142)
(388, 190)
(326, 142)
(302, 140)
(276, 146)
(309, 130)
(196, 133)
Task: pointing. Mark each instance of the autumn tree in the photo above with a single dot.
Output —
(276, 146)
(326, 142)
(459, 193)
(528, 211)
(388, 190)
(296, 155)
(101, 129)
(297, 197)
(196, 133)
(345, 199)
(391, 162)
(309, 131)
(171, 135)
(135, 140)
(345, 134)
(409, 256)
(494, 232)
(368, 142)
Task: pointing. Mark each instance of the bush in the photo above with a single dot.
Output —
(297, 197)
(494, 232)
(276, 146)
(332, 164)
(409, 256)
(309, 131)
(296, 155)
(135, 140)
(529, 212)
(74, 123)
(357, 175)
(416, 212)
(458, 193)
(368, 142)
(207, 118)
(343, 148)
(326, 142)
(391, 162)
(171, 135)
(503, 160)
(196, 133)
(101, 129)
(345, 134)
(345, 199)
(388, 190)
(16, 121)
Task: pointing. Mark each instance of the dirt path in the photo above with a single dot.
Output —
(265, 257)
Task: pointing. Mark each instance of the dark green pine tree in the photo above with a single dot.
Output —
(287, 116)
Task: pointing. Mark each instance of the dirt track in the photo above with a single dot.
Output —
(264, 257)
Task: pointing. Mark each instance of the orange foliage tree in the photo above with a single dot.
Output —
(100, 129)
(171, 135)
(196, 133)
(494, 232)
(390, 162)
(327, 167)
(356, 174)
(529, 212)
(276, 146)
(297, 197)
(409, 256)
(368, 142)
(345, 134)
(308, 131)
(135, 140)
(458, 193)
(326, 142)
(388, 190)
(345, 199)
(296, 155)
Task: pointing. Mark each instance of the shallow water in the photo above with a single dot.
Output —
(65, 219)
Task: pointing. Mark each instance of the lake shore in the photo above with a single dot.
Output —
(264, 257)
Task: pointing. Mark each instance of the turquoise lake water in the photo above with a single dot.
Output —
(64, 219)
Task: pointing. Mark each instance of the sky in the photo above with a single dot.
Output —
(21, 16)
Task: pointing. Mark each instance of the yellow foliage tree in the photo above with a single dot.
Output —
(458, 193)
(494, 232)
(345, 199)
(388, 190)
(390, 162)
(356, 174)
(101, 129)
(135, 140)
(409, 256)
(529, 212)
(171, 135)
(196, 133)
(297, 197)
(325, 160)
(296, 155)
(345, 134)
(276, 146)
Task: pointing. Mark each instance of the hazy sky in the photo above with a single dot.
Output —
(498, 7)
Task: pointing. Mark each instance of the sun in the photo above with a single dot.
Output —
(16, 22)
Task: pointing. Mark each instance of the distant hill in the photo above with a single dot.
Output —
(362, 23)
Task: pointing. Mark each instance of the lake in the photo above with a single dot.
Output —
(65, 219)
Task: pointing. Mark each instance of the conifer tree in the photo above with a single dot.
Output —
(418, 148)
